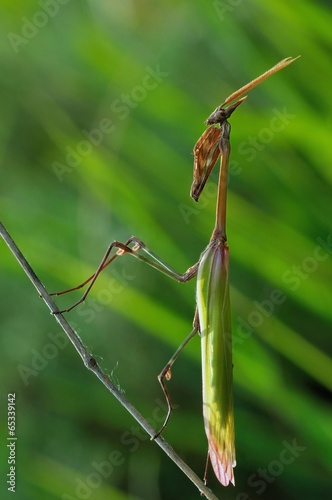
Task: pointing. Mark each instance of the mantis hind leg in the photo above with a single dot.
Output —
(166, 373)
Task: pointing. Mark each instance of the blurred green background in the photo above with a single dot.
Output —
(101, 105)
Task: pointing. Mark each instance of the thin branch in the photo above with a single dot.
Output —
(91, 363)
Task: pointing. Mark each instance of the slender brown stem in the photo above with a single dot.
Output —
(91, 363)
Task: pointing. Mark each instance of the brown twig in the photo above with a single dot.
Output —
(91, 363)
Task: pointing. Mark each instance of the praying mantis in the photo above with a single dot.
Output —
(212, 319)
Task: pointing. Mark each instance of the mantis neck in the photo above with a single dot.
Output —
(220, 225)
